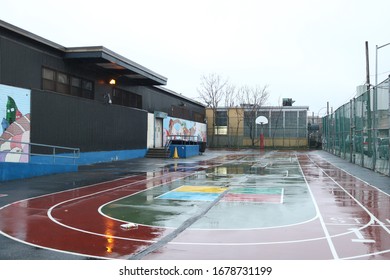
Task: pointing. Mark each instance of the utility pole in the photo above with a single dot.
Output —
(367, 66)
(327, 108)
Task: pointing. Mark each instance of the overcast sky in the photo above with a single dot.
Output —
(311, 51)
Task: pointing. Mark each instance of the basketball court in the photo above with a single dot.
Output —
(241, 205)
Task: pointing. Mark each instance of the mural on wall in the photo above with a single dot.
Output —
(179, 129)
(15, 124)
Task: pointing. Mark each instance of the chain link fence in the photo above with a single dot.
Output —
(358, 131)
(286, 127)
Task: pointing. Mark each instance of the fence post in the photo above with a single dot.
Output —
(374, 127)
(351, 133)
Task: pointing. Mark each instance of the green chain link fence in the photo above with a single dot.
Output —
(359, 130)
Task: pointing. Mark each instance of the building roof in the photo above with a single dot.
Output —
(247, 106)
(170, 92)
(114, 63)
(99, 57)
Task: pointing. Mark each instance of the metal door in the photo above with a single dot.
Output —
(158, 135)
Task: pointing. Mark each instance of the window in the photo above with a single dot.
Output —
(221, 123)
(62, 78)
(125, 98)
(48, 74)
(198, 117)
(87, 89)
(181, 112)
(64, 83)
(221, 118)
(76, 87)
(48, 79)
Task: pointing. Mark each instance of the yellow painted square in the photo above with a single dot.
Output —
(206, 189)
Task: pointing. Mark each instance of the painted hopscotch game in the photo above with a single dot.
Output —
(234, 194)
(249, 192)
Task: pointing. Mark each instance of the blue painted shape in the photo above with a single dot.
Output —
(197, 196)
(49, 159)
(91, 157)
(247, 190)
(184, 151)
(108, 156)
(46, 165)
(13, 171)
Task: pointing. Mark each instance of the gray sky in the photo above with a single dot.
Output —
(311, 51)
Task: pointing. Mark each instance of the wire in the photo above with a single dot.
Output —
(354, 94)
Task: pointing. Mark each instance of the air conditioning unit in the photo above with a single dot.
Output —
(288, 101)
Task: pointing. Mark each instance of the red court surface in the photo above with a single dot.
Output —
(349, 218)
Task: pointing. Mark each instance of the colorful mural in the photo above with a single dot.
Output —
(15, 116)
(179, 129)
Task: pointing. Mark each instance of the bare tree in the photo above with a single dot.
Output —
(212, 89)
(230, 101)
(215, 91)
(252, 99)
(212, 92)
(230, 95)
(239, 119)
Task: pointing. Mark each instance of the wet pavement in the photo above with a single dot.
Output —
(246, 204)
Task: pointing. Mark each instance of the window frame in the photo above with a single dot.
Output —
(67, 86)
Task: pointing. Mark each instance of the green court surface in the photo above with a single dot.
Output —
(247, 197)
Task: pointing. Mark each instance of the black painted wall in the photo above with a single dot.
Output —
(69, 121)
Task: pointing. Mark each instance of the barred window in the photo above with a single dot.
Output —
(126, 98)
(221, 123)
(61, 82)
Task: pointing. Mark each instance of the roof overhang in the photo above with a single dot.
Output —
(115, 65)
(118, 66)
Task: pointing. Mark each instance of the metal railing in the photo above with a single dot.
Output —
(55, 152)
(168, 144)
(183, 138)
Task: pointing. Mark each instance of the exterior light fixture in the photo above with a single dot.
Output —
(112, 82)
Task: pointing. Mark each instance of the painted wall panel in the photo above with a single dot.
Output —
(15, 124)
(180, 127)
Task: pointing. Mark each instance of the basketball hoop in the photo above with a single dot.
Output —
(261, 120)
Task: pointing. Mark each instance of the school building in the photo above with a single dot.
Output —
(61, 107)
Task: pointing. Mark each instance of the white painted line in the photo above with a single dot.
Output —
(363, 240)
(50, 210)
(367, 255)
(350, 174)
(357, 233)
(69, 190)
(357, 220)
(373, 218)
(388, 221)
(76, 229)
(52, 249)
(324, 228)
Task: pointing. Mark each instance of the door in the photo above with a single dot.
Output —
(158, 133)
